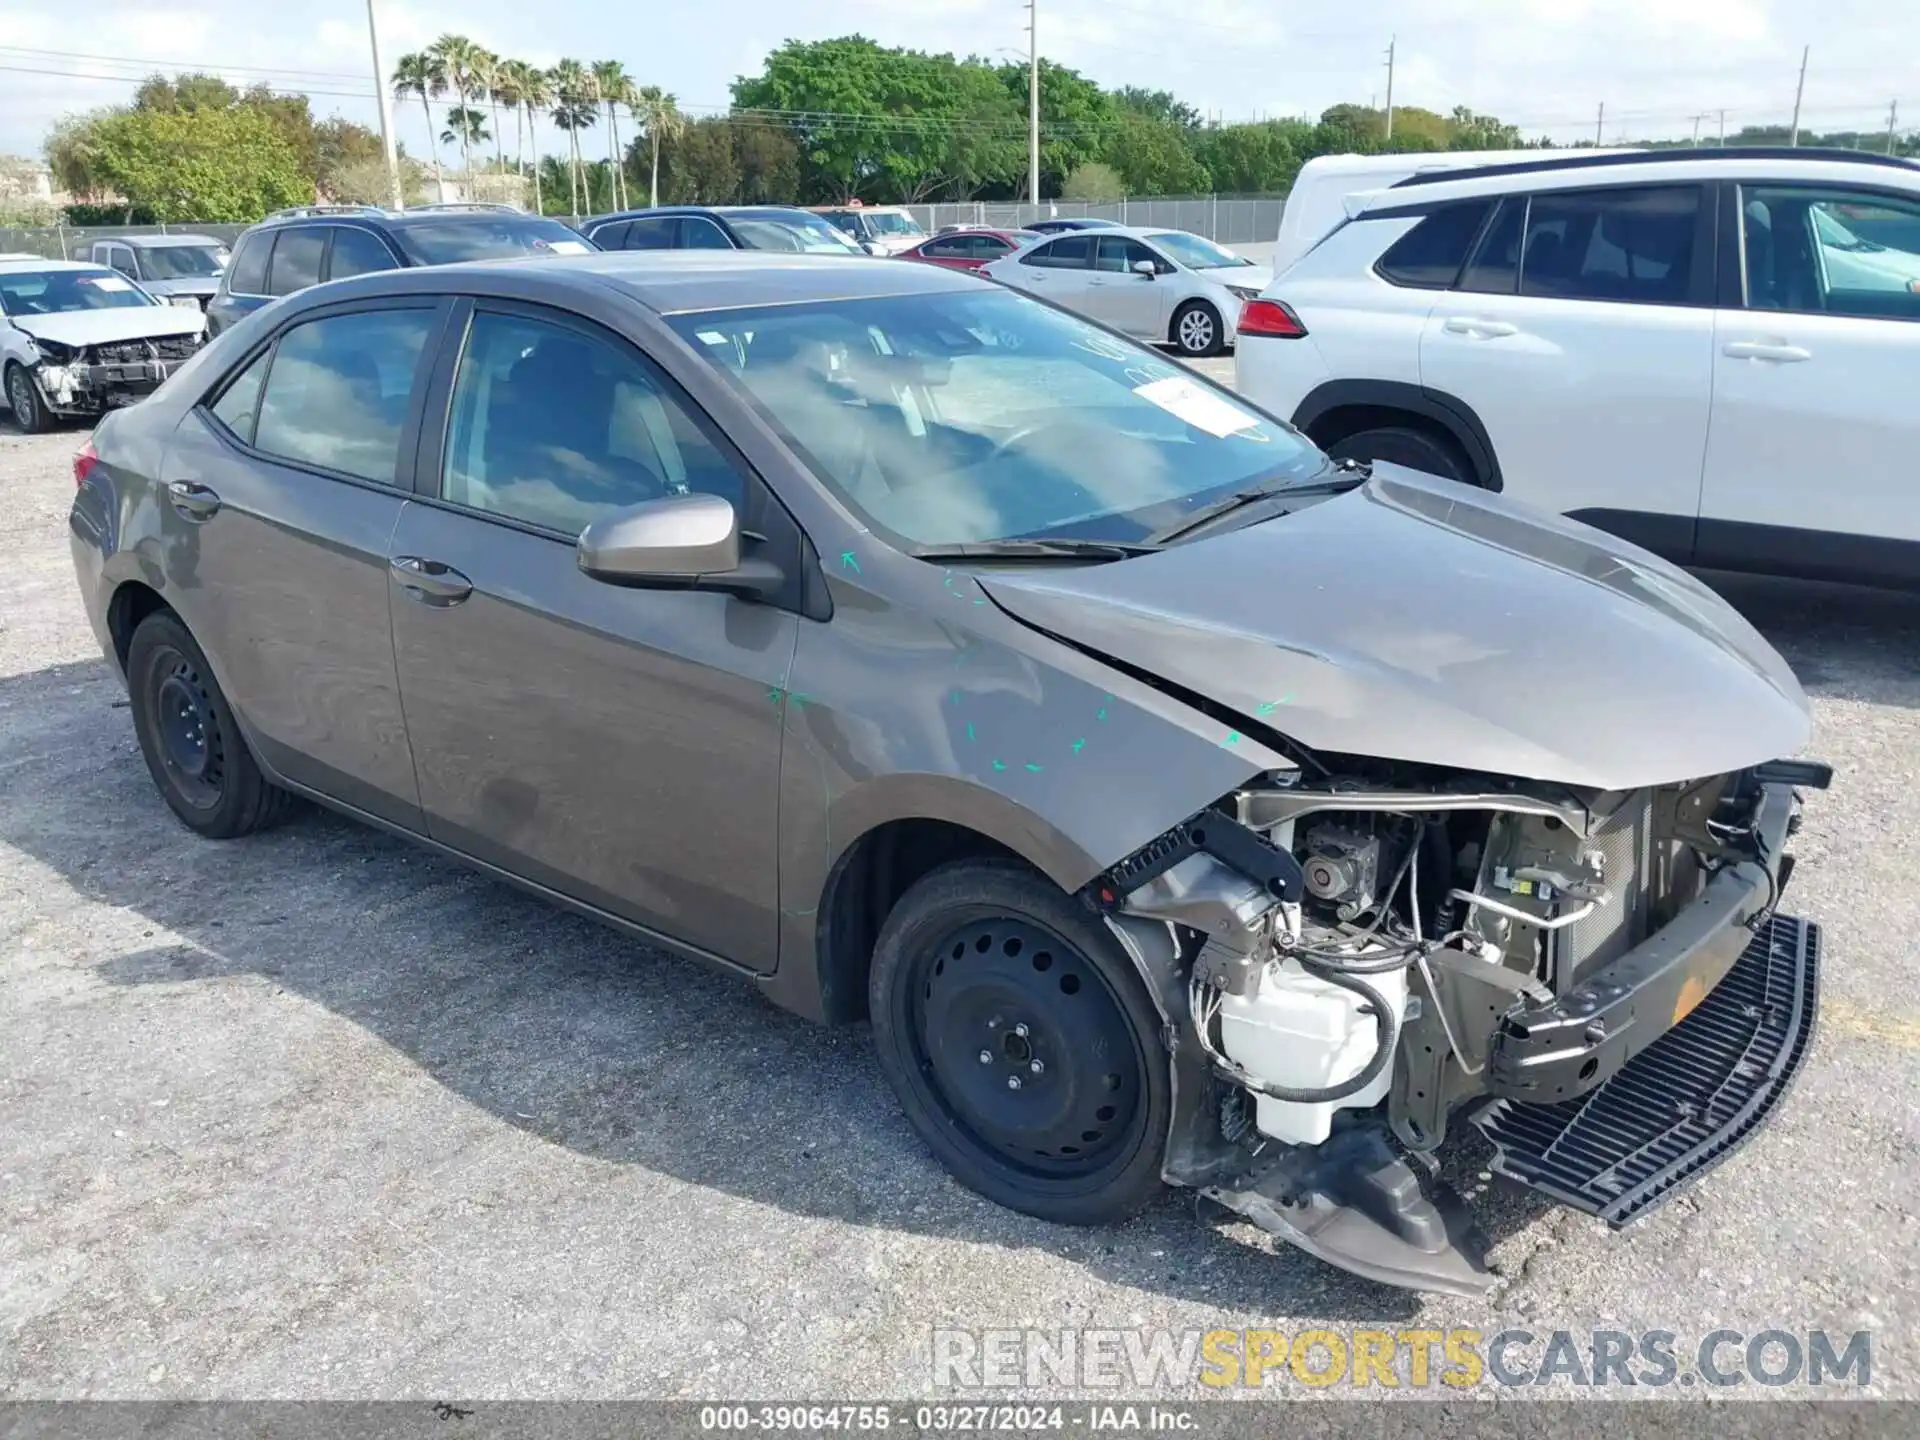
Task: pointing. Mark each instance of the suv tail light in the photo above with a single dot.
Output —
(1272, 318)
(84, 459)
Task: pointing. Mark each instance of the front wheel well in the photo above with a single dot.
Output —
(866, 883)
(131, 603)
(1341, 422)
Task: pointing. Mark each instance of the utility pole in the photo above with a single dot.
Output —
(1723, 129)
(1893, 119)
(1696, 130)
(1392, 41)
(1033, 101)
(1599, 124)
(1798, 91)
(398, 200)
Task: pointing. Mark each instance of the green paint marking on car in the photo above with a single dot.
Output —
(1032, 768)
(1233, 738)
(970, 734)
(1079, 745)
(999, 764)
(847, 562)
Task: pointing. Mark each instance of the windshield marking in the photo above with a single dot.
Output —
(1184, 400)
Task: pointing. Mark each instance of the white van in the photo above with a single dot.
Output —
(1321, 192)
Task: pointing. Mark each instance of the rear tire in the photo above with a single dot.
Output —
(1403, 445)
(1065, 1118)
(192, 745)
(1196, 330)
(30, 415)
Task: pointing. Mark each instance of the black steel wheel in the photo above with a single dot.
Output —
(1022, 1044)
(188, 736)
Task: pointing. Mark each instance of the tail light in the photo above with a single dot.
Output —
(84, 459)
(1271, 317)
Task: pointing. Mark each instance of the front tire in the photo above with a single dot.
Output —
(1022, 1044)
(30, 415)
(1403, 445)
(1197, 330)
(192, 745)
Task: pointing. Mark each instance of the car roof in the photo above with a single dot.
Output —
(158, 242)
(677, 281)
(15, 267)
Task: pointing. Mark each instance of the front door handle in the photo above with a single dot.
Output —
(1480, 329)
(1777, 351)
(196, 502)
(429, 581)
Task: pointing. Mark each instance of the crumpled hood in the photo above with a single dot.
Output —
(203, 285)
(1413, 619)
(100, 327)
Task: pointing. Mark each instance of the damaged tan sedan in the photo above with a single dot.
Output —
(1180, 806)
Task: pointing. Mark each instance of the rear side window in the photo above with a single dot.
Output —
(654, 233)
(1429, 256)
(611, 237)
(1622, 245)
(296, 261)
(247, 275)
(338, 390)
(358, 252)
(1069, 252)
(1495, 266)
(699, 233)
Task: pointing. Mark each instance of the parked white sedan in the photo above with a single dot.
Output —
(1165, 286)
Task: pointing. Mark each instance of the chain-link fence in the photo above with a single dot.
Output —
(74, 242)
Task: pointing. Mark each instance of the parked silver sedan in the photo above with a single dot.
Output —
(1165, 286)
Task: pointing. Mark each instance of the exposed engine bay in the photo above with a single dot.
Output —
(92, 379)
(1349, 965)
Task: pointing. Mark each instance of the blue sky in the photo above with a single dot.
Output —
(1544, 63)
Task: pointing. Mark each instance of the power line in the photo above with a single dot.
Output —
(180, 66)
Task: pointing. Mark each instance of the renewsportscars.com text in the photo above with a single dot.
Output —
(1362, 1358)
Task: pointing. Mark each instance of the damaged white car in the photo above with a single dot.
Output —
(79, 340)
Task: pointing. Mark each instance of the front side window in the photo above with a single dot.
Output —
(338, 389)
(1822, 251)
(886, 222)
(58, 292)
(699, 233)
(1120, 253)
(249, 273)
(1069, 252)
(358, 252)
(845, 220)
(1633, 245)
(121, 259)
(792, 230)
(296, 260)
(558, 428)
(655, 232)
(958, 418)
(1196, 253)
(1429, 256)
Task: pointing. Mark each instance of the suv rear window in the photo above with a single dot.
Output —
(1633, 245)
(1429, 256)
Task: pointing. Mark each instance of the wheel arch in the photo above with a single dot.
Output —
(131, 602)
(1339, 408)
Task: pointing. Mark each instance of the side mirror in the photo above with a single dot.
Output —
(682, 542)
(1145, 269)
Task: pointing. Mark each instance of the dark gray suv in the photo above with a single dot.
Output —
(1179, 805)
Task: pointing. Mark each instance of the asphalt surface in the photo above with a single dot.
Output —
(314, 1114)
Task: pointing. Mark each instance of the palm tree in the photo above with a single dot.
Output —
(574, 108)
(659, 114)
(615, 88)
(486, 72)
(506, 91)
(536, 93)
(465, 124)
(459, 55)
(422, 74)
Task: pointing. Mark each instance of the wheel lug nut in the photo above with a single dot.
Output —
(1021, 1031)
(986, 1057)
(1037, 1068)
(1013, 1082)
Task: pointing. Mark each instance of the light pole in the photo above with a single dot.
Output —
(1033, 102)
(394, 195)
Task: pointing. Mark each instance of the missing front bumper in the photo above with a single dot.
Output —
(1683, 1104)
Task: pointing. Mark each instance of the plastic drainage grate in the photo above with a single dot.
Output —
(1684, 1103)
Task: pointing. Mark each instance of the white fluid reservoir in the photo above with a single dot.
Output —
(1302, 1032)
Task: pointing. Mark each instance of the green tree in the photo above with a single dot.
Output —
(1158, 105)
(1255, 159)
(340, 145)
(423, 74)
(1077, 119)
(467, 125)
(535, 89)
(72, 154)
(697, 166)
(659, 117)
(1154, 158)
(769, 160)
(574, 109)
(615, 88)
(460, 60)
(232, 164)
(486, 74)
(1095, 183)
(195, 90)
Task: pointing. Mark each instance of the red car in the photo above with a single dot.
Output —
(967, 249)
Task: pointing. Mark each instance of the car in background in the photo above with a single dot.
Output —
(719, 227)
(77, 340)
(292, 249)
(968, 247)
(1165, 286)
(1752, 314)
(1061, 224)
(881, 229)
(180, 269)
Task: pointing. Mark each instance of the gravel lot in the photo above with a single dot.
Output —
(315, 1114)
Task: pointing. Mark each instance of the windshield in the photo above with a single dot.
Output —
(183, 262)
(54, 292)
(885, 222)
(1195, 253)
(957, 418)
(466, 237)
(810, 234)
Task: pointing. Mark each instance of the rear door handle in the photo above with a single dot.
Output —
(1480, 329)
(1777, 351)
(429, 581)
(196, 502)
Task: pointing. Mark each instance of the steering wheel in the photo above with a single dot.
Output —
(1023, 434)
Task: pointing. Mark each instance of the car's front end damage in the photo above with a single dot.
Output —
(1348, 965)
(91, 379)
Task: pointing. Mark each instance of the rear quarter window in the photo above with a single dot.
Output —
(1429, 256)
(247, 275)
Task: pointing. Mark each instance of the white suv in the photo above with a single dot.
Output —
(1714, 353)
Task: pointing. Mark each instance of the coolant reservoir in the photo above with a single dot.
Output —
(1299, 1031)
